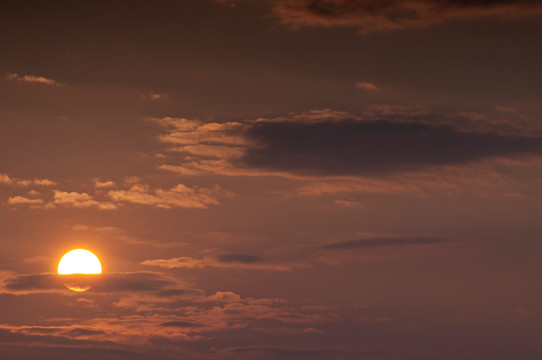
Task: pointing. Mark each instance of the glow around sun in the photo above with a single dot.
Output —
(79, 261)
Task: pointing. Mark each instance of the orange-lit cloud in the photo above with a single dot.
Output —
(33, 79)
(16, 200)
(103, 184)
(178, 196)
(80, 200)
(367, 86)
(223, 261)
(415, 151)
(7, 180)
(370, 16)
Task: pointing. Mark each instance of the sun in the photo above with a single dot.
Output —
(79, 261)
(78, 268)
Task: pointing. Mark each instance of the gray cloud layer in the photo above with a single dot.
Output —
(352, 147)
(382, 242)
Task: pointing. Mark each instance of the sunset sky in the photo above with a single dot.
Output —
(272, 179)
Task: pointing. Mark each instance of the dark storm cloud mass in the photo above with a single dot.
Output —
(382, 242)
(351, 147)
(370, 16)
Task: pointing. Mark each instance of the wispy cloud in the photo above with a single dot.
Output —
(370, 16)
(383, 242)
(33, 79)
(179, 196)
(367, 86)
(223, 261)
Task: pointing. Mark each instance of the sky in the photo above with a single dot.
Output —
(272, 179)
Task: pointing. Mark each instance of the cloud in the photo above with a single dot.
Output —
(222, 261)
(17, 200)
(348, 203)
(180, 324)
(372, 16)
(107, 283)
(281, 352)
(132, 191)
(338, 144)
(33, 79)
(371, 243)
(238, 259)
(366, 147)
(77, 332)
(5, 179)
(180, 196)
(43, 182)
(367, 86)
(80, 200)
(103, 184)
(155, 307)
(156, 96)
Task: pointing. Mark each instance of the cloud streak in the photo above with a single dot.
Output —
(372, 243)
(222, 261)
(374, 16)
(33, 79)
(180, 196)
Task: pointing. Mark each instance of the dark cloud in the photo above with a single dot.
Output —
(290, 352)
(62, 346)
(383, 242)
(354, 147)
(180, 324)
(34, 282)
(370, 16)
(105, 283)
(84, 332)
(239, 258)
(180, 292)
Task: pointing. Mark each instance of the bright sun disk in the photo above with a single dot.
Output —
(79, 261)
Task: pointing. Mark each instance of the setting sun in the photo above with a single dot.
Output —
(79, 261)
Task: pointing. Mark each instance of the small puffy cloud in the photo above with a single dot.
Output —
(33, 79)
(43, 182)
(367, 86)
(80, 200)
(5, 179)
(103, 184)
(180, 196)
(17, 200)
(157, 96)
(224, 296)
